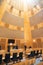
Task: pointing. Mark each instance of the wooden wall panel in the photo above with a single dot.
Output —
(3, 43)
(35, 45)
(38, 44)
(18, 43)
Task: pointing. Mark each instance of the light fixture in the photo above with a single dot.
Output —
(10, 43)
(34, 40)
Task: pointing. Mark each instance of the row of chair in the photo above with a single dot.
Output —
(20, 57)
(35, 54)
(14, 58)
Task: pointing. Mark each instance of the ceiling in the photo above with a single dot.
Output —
(25, 4)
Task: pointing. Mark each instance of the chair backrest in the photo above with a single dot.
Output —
(21, 55)
(32, 53)
(7, 57)
(37, 51)
(14, 55)
(0, 58)
(40, 51)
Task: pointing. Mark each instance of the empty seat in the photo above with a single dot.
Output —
(34, 52)
(31, 55)
(20, 56)
(40, 52)
(37, 53)
(14, 57)
(7, 58)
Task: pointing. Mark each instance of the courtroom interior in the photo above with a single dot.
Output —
(21, 32)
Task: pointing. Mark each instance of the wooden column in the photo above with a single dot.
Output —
(27, 30)
(3, 8)
(6, 46)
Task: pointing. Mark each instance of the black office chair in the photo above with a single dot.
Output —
(31, 55)
(1, 59)
(34, 53)
(37, 54)
(7, 58)
(40, 52)
(14, 59)
(20, 56)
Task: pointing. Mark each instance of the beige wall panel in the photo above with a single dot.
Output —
(36, 19)
(7, 33)
(11, 19)
(37, 33)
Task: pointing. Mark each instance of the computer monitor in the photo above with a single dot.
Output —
(11, 41)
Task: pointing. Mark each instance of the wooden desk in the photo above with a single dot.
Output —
(2, 51)
(16, 51)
